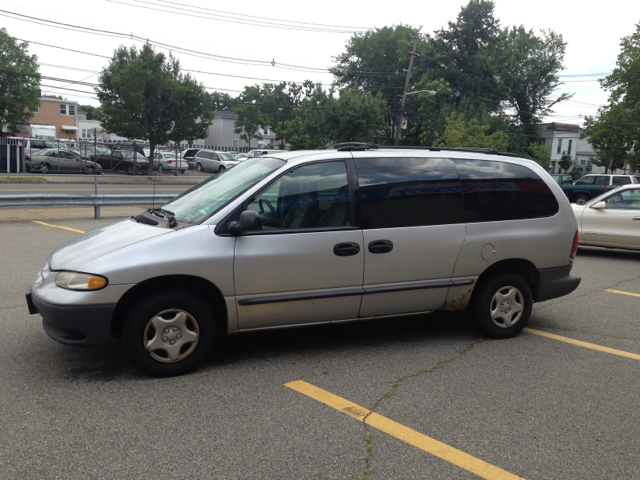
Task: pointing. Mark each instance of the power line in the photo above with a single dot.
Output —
(280, 25)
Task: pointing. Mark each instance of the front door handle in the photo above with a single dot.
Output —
(346, 249)
(636, 218)
(380, 246)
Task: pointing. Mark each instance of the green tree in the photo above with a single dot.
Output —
(539, 153)
(93, 113)
(144, 95)
(565, 162)
(611, 135)
(462, 133)
(465, 54)
(376, 61)
(614, 132)
(19, 81)
(528, 68)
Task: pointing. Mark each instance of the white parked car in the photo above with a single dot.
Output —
(611, 220)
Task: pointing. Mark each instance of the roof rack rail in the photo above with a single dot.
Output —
(351, 146)
(486, 151)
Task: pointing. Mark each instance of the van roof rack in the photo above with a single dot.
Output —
(486, 151)
(351, 146)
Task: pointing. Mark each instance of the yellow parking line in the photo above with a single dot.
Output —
(58, 226)
(578, 343)
(624, 293)
(423, 442)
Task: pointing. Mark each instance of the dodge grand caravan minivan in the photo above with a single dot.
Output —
(311, 237)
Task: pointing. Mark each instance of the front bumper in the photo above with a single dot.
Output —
(79, 326)
(556, 282)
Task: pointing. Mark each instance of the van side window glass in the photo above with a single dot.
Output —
(503, 191)
(408, 192)
(312, 196)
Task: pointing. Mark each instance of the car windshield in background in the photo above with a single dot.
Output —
(226, 156)
(205, 199)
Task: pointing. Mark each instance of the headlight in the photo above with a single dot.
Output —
(80, 281)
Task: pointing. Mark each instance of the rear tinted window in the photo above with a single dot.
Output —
(503, 191)
(621, 180)
(408, 192)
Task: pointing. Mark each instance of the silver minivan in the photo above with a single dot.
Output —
(312, 237)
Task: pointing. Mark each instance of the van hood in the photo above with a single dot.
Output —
(96, 243)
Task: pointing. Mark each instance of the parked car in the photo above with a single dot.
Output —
(166, 161)
(188, 155)
(590, 186)
(60, 161)
(240, 156)
(611, 220)
(311, 237)
(258, 152)
(122, 161)
(562, 178)
(35, 144)
(228, 160)
(208, 161)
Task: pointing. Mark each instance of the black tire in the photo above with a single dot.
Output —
(199, 167)
(91, 170)
(182, 172)
(221, 168)
(506, 318)
(160, 169)
(139, 333)
(580, 199)
(44, 169)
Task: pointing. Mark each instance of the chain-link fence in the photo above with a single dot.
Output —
(87, 185)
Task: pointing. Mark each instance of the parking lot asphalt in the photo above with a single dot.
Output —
(530, 407)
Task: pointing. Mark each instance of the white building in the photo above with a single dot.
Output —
(565, 139)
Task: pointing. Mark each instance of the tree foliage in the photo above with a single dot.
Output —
(469, 133)
(614, 132)
(19, 81)
(93, 113)
(144, 95)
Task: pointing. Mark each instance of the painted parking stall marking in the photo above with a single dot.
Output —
(58, 226)
(623, 293)
(397, 430)
(592, 346)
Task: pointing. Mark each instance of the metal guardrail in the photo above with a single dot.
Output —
(93, 200)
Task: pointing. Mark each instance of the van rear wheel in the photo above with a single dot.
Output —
(501, 305)
(169, 333)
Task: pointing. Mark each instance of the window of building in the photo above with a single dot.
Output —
(409, 192)
(503, 191)
(84, 133)
(559, 151)
(569, 147)
(234, 144)
(67, 109)
(37, 109)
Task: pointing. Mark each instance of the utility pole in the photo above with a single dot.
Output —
(400, 116)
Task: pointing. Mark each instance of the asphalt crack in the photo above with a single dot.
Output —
(395, 385)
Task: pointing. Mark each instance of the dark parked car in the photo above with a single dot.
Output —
(189, 155)
(122, 161)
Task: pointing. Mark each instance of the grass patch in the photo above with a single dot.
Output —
(22, 180)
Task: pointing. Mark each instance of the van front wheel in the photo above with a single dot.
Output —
(169, 333)
(501, 305)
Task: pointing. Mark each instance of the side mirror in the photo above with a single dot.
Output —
(249, 221)
(599, 206)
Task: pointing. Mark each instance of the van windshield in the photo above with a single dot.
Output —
(206, 198)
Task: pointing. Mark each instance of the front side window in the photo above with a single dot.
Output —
(200, 202)
(495, 191)
(627, 199)
(311, 196)
(408, 192)
(586, 181)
